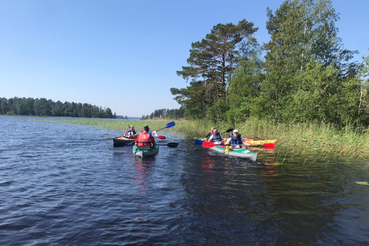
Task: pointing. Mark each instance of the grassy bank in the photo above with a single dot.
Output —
(314, 140)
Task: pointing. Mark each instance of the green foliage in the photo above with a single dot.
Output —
(246, 82)
(212, 62)
(165, 114)
(44, 107)
(218, 110)
(307, 75)
(305, 64)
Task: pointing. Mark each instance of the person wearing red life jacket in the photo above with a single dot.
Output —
(144, 138)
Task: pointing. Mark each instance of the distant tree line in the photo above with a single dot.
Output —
(44, 107)
(306, 74)
(122, 117)
(165, 113)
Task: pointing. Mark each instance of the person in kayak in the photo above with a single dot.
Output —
(149, 132)
(131, 132)
(209, 133)
(145, 138)
(216, 137)
(235, 140)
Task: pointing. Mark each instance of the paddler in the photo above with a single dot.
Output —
(235, 140)
(209, 133)
(216, 137)
(131, 132)
(145, 138)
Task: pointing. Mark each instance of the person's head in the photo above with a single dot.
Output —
(211, 130)
(132, 127)
(146, 128)
(215, 131)
(235, 132)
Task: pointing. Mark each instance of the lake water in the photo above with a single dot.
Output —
(64, 184)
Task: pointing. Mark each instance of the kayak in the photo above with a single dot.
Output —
(147, 152)
(242, 153)
(258, 142)
(121, 141)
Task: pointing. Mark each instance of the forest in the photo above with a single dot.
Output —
(303, 74)
(165, 113)
(44, 107)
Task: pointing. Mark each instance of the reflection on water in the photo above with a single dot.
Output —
(66, 185)
(141, 175)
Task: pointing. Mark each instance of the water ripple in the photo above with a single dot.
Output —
(64, 184)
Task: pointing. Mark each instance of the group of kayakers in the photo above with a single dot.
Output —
(144, 138)
(235, 140)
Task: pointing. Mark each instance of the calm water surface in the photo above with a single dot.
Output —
(63, 184)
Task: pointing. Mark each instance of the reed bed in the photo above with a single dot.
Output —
(303, 139)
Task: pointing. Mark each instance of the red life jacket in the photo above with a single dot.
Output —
(143, 139)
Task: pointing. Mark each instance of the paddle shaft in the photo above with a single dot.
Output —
(169, 125)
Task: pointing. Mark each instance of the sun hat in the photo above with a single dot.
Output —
(235, 130)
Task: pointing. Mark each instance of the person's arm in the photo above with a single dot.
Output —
(152, 140)
(211, 137)
(243, 141)
(227, 142)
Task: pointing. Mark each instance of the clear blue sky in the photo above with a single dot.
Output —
(124, 54)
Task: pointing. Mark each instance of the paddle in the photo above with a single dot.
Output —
(111, 138)
(161, 137)
(130, 143)
(229, 130)
(228, 148)
(169, 125)
(209, 145)
(172, 145)
(198, 142)
(268, 146)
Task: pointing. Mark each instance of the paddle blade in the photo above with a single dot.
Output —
(229, 130)
(268, 146)
(208, 145)
(170, 124)
(172, 145)
(161, 137)
(198, 142)
(228, 148)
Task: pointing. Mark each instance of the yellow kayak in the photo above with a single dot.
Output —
(259, 142)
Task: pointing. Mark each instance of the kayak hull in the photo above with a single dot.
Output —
(259, 142)
(241, 153)
(145, 153)
(121, 141)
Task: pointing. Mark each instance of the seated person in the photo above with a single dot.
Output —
(149, 132)
(235, 140)
(216, 137)
(209, 134)
(131, 132)
(145, 139)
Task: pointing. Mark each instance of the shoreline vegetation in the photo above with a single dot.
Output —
(310, 141)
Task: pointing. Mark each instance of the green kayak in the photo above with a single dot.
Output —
(242, 153)
(143, 153)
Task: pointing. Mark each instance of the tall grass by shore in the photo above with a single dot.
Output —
(298, 139)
